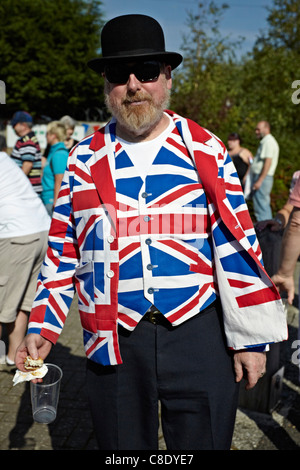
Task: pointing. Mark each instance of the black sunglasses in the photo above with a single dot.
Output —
(144, 71)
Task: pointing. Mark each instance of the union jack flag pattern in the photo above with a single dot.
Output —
(177, 239)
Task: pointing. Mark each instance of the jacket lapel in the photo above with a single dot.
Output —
(101, 165)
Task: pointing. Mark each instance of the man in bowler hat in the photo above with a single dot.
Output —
(152, 231)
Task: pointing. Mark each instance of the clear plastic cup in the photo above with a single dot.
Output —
(45, 395)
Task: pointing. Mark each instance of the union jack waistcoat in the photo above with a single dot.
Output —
(85, 251)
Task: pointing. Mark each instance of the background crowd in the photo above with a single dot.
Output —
(29, 184)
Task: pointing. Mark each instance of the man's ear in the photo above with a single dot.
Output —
(168, 73)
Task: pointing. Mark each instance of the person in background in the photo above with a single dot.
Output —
(55, 164)
(70, 125)
(26, 152)
(241, 157)
(24, 226)
(290, 249)
(156, 238)
(284, 278)
(279, 222)
(263, 170)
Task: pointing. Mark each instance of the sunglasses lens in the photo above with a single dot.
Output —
(117, 73)
(147, 72)
(144, 72)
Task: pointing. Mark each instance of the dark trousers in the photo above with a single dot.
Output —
(187, 368)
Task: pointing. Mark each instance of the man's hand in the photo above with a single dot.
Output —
(271, 223)
(250, 365)
(285, 284)
(256, 185)
(33, 345)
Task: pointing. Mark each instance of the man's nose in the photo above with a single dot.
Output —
(133, 83)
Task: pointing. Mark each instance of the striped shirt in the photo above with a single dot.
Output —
(27, 149)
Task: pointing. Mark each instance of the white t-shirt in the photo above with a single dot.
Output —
(268, 148)
(22, 212)
(142, 154)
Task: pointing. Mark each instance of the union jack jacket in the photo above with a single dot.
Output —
(83, 254)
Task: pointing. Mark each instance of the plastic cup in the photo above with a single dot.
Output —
(45, 395)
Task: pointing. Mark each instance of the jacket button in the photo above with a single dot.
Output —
(110, 238)
(110, 273)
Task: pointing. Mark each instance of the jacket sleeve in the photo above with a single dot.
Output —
(252, 309)
(55, 285)
(253, 314)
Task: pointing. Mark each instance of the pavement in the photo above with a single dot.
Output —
(72, 429)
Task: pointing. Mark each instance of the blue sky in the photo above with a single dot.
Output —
(244, 18)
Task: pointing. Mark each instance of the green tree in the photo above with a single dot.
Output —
(229, 95)
(284, 21)
(44, 47)
(205, 87)
(268, 79)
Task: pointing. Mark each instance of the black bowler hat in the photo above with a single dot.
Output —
(133, 37)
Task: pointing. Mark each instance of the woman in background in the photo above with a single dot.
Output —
(55, 164)
(69, 124)
(241, 157)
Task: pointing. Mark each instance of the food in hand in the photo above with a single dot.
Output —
(33, 364)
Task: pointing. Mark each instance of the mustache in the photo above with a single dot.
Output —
(136, 97)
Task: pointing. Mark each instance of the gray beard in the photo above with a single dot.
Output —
(142, 118)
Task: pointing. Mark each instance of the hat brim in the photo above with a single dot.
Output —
(169, 58)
